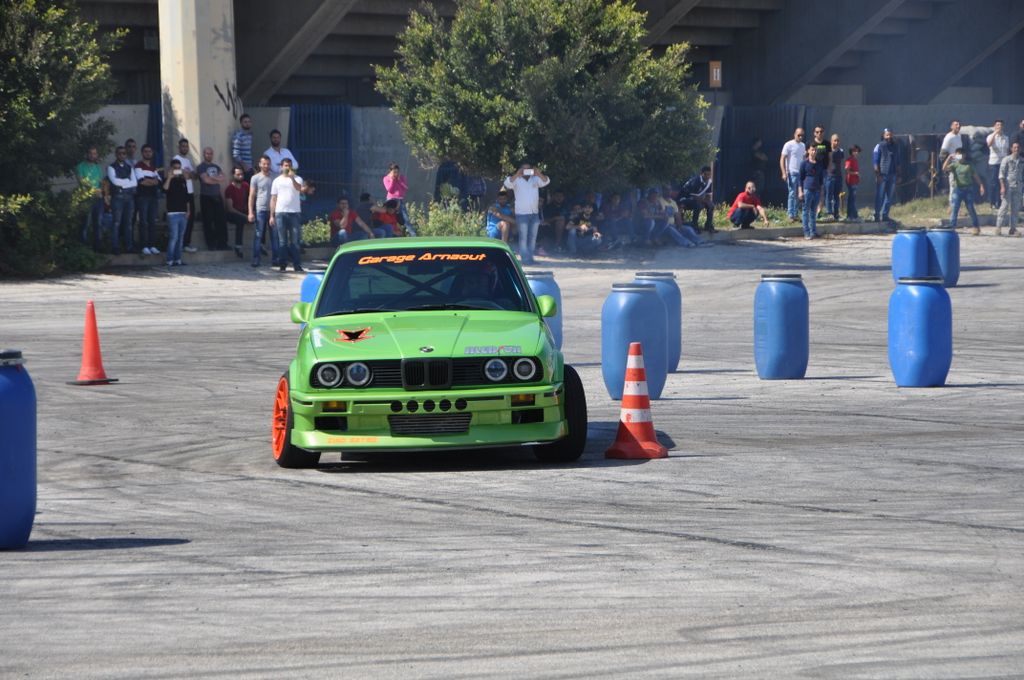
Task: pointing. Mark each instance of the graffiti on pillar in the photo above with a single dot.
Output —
(229, 98)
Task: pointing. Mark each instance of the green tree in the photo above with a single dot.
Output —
(567, 85)
(53, 74)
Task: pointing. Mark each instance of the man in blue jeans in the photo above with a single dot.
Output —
(812, 176)
(286, 212)
(793, 153)
(259, 213)
(122, 201)
(886, 161)
(964, 178)
(527, 183)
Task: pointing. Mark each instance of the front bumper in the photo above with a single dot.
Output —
(354, 420)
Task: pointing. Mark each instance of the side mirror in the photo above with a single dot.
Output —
(548, 306)
(300, 312)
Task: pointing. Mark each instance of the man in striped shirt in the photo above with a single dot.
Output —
(241, 146)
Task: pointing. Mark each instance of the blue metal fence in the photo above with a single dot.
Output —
(320, 136)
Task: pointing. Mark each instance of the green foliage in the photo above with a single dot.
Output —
(445, 219)
(566, 85)
(53, 74)
(316, 232)
(38, 237)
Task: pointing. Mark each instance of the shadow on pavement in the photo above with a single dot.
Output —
(68, 544)
(600, 437)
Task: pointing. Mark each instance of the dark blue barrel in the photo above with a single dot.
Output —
(633, 312)
(310, 286)
(543, 283)
(781, 327)
(944, 255)
(17, 451)
(909, 253)
(665, 284)
(920, 332)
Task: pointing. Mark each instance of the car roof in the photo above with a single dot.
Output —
(423, 242)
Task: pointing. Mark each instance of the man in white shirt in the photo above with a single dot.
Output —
(998, 149)
(278, 153)
(951, 143)
(527, 183)
(188, 171)
(793, 153)
(286, 212)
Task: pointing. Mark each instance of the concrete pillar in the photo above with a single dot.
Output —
(197, 77)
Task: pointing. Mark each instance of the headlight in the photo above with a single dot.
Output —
(524, 369)
(328, 375)
(358, 374)
(495, 370)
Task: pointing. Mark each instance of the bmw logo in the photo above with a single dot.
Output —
(426, 349)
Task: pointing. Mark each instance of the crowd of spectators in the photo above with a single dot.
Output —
(267, 194)
(529, 211)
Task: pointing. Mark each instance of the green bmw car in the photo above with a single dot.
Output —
(420, 344)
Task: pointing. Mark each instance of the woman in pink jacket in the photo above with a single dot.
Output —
(396, 186)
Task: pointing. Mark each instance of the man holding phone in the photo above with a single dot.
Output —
(527, 183)
(286, 213)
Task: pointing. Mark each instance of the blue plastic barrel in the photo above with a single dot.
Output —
(17, 451)
(909, 253)
(920, 332)
(944, 255)
(310, 286)
(633, 312)
(543, 283)
(781, 327)
(668, 290)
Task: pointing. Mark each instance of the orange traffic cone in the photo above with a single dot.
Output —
(635, 438)
(92, 372)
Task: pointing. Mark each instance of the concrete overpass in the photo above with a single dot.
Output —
(853, 52)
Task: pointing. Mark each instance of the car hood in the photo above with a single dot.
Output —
(425, 334)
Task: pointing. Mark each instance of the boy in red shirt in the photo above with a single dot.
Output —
(236, 202)
(343, 221)
(746, 208)
(852, 167)
(388, 217)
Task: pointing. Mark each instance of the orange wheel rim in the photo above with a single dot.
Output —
(279, 426)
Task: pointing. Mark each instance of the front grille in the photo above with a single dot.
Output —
(425, 425)
(427, 374)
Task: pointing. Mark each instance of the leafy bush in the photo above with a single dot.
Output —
(317, 232)
(569, 85)
(53, 74)
(445, 219)
(40, 232)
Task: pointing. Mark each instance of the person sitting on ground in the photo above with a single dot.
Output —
(651, 218)
(555, 215)
(500, 218)
(388, 217)
(344, 221)
(747, 207)
(582, 237)
(657, 224)
(617, 220)
(697, 194)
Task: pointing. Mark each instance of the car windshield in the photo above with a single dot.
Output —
(403, 279)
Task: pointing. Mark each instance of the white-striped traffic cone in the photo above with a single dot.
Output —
(636, 438)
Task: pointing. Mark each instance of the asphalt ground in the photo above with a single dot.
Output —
(832, 527)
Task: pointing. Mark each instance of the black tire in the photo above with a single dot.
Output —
(285, 453)
(569, 448)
